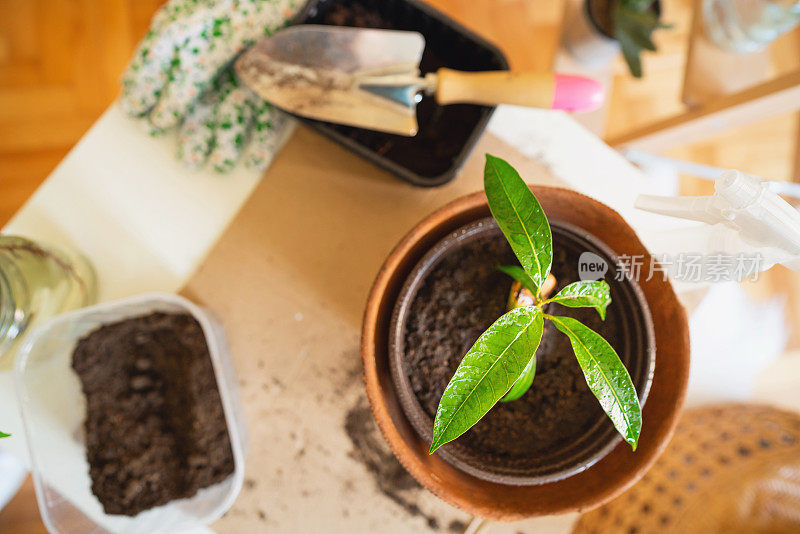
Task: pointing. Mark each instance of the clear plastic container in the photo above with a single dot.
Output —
(53, 410)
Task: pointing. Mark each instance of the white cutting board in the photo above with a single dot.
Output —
(123, 199)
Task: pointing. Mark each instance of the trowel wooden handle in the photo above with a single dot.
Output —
(531, 89)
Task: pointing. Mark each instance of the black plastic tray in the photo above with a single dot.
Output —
(447, 134)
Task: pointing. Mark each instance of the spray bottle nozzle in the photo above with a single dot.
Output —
(742, 203)
(739, 189)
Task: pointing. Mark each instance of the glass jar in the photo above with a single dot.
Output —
(36, 282)
(745, 26)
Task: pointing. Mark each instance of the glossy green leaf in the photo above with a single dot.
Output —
(606, 376)
(523, 383)
(4, 435)
(588, 294)
(520, 217)
(518, 273)
(487, 372)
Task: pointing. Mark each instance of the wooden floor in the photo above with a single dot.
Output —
(60, 61)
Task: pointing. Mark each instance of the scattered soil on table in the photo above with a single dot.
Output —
(370, 449)
(460, 298)
(155, 426)
(443, 130)
(390, 476)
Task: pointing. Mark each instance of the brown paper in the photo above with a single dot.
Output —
(289, 280)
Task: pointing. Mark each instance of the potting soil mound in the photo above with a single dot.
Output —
(155, 426)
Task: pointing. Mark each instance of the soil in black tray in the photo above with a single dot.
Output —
(155, 426)
(460, 298)
(443, 130)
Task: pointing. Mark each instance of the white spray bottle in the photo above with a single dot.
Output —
(745, 221)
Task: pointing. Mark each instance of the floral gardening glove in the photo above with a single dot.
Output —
(182, 74)
(230, 123)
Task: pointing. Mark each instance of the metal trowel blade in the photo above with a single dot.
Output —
(359, 77)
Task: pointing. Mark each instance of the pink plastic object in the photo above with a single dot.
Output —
(577, 93)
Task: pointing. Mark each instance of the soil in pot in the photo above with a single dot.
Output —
(155, 426)
(462, 296)
(601, 15)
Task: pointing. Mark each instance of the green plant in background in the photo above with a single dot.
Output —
(501, 364)
(4, 435)
(634, 24)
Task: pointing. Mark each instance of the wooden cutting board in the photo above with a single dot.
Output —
(289, 279)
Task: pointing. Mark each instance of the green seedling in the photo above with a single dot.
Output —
(501, 364)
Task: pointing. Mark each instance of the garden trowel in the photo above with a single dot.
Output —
(371, 79)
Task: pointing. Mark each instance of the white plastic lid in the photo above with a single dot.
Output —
(738, 188)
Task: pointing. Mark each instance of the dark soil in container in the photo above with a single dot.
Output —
(444, 131)
(600, 12)
(155, 425)
(461, 297)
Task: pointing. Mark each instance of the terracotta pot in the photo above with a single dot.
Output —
(636, 348)
(607, 478)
